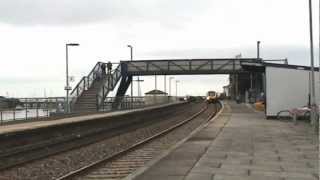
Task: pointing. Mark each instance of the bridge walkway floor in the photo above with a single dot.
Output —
(240, 144)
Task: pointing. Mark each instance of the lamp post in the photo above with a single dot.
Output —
(155, 82)
(170, 78)
(313, 103)
(129, 46)
(165, 83)
(318, 126)
(177, 81)
(258, 50)
(68, 88)
(139, 89)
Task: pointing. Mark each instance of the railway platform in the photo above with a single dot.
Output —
(240, 144)
(33, 125)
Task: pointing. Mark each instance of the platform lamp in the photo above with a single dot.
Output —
(318, 123)
(177, 81)
(131, 48)
(313, 101)
(68, 87)
(258, 50)
(165, 83)
(139, 88)
(170, 78)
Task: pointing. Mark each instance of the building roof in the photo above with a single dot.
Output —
(156, 92)
(291, 66)
(262, 65)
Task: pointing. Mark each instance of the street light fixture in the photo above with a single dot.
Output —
(131, 48)
(139, 89)
(155, 82)
(68, 87)
(170, 78)
(165, 83)
(258, 49)
(313, 101)
(177, 81)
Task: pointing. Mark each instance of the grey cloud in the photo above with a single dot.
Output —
(74, 12)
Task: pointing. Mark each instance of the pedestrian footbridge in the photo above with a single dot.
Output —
(92, 90)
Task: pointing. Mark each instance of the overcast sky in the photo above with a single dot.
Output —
(33, 34)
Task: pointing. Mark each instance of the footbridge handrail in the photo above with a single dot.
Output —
(86, 82)
(185, 66)
(112, 79)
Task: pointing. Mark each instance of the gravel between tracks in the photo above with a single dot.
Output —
(128, 163)
(57, 165)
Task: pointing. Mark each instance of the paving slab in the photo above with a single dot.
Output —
(241, 144)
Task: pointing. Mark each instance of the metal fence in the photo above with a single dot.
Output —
(128, 102)
(125, 103)
(33, 108)
(38, 108)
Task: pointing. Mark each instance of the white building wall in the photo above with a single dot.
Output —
(287, 89)
(226, 90)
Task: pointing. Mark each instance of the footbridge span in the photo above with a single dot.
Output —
(92, 90)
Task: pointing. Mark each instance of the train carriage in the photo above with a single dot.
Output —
(212, 97)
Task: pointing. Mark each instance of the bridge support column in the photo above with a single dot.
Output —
(237, 85)
(232, 86)
(123, 87)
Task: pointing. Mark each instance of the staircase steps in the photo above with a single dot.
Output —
(87, 101)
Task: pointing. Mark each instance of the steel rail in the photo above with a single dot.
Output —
(52, 147)
(93, 165)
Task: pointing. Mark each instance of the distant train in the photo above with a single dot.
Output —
(212, 97)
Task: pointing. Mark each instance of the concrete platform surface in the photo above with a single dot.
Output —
(13, 128)
(242, 145)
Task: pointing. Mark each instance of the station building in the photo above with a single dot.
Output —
(280, 86)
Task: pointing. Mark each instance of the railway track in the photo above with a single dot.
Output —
(123, 163)
(23, 155)
(52, 165)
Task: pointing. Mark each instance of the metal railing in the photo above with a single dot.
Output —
(125, 103)
(33, 108)
(185, 66)
(36, 108)
(86, 82)
(111, 81)
(135, 102)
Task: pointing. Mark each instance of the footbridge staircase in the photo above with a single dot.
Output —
(90, 93)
